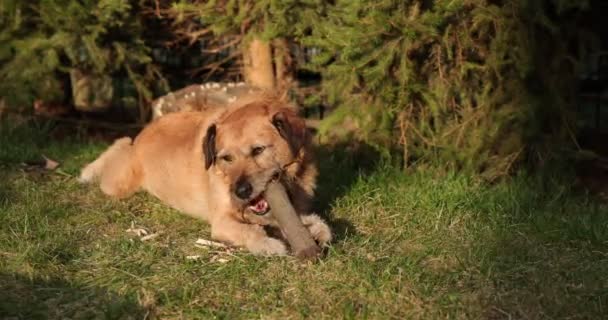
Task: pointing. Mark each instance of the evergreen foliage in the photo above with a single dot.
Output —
(229, 26)
(268, 19)
(476, 84)
(42, 40)
(480, 85)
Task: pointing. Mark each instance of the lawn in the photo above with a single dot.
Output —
(417, 245)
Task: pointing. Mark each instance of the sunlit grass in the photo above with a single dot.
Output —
(418, 245)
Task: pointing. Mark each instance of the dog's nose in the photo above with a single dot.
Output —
(243, 189)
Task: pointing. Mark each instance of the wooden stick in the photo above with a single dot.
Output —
(303, 246)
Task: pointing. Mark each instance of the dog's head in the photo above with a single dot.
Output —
(251, 146)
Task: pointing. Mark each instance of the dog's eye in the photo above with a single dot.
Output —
(257, 151)
(227, 158)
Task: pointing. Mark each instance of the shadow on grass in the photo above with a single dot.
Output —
(546, 250)
(54, 298)
(26, 139)
(7, 192)
(340, 166)
(26, 142)
(535, 279)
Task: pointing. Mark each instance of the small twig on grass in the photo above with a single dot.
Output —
(209, 243)
(127, 273)
(151, 236)
(63, 173)
(229, 252)
(140, 232)
(217, 258)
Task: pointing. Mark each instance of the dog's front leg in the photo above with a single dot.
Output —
(250, 236)
(318, 228)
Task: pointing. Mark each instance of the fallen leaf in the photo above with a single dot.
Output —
(50, 164)
(42, 164)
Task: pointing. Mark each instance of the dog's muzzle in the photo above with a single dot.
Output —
(243, 189)
(259, 205)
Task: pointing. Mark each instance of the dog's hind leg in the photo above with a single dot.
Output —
(93, 170)
(117, 169)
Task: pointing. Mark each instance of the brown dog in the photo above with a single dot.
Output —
(216, 164)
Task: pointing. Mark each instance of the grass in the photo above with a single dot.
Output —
(422, 245)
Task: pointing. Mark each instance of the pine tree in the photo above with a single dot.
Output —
(478, 85)
(262, 28)
(42, 41)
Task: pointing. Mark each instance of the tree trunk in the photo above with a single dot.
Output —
(284, 64)
(257, 64)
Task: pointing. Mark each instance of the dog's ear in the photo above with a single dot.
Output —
(292, 128)
(209, 146)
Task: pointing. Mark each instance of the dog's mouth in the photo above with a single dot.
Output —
(259, 205)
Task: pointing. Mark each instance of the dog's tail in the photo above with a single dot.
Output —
(116, 169)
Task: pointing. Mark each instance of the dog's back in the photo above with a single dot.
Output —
(174, 144)
(167, 141)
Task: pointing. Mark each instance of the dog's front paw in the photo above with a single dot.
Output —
(318, 228)
(267, 246)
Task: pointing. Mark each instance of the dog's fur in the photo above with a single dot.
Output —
(194, 162)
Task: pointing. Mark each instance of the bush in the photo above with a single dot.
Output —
(41, 41)
(478, 85)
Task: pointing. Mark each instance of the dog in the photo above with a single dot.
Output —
(215, 164)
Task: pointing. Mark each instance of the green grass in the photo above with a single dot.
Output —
(421, 245)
